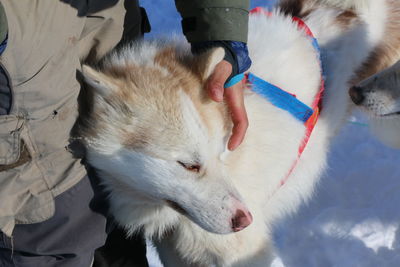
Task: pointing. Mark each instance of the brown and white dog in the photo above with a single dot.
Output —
(377, 84)
(159, 143)
(379, 96)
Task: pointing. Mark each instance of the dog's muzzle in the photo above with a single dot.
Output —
(356, 95)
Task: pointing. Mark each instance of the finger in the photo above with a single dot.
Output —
(215, 84)
(235, 101)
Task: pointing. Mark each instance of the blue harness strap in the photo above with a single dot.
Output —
(280, 98)
(288, 102)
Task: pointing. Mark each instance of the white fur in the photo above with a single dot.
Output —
(142, 179)
(346, 4)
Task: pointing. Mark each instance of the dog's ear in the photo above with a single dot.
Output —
(207, 61)
(98, 81)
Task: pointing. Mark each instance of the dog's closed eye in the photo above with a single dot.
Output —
(190, 166)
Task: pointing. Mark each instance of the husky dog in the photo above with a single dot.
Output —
(159, 144)
(379, 95)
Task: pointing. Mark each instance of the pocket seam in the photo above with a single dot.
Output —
(13, 154)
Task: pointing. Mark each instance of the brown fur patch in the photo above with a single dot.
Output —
(347, 18)
(303, 8)
(192, 84)
(388, 52)
(184, 73)
(292, 7)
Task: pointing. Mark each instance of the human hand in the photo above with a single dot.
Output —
(234, 99)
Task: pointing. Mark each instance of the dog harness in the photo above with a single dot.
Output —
(286, 101)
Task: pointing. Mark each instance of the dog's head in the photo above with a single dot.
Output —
(153, 129)
(379, 96)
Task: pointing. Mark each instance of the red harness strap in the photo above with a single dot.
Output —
(317, 102)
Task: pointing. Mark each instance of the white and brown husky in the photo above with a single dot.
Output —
(159, 143)
(379, 96)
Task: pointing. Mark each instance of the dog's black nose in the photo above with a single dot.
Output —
(356, 95)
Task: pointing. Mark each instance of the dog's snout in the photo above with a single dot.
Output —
(356, 95)
(242, 216)
(241, 220)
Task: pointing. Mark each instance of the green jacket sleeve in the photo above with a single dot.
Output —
(212, 20)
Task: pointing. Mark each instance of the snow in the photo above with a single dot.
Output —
(354, 218)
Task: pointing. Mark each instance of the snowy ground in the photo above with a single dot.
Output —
(354, 218)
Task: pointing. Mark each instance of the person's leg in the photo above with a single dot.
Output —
(121, 251)
(68, 239)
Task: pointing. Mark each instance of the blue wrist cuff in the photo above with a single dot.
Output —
(234, 80)
(3, 45)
